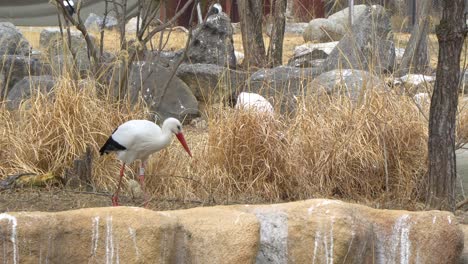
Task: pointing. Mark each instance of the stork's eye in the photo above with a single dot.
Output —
(178, 128)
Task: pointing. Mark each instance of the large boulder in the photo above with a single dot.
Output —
(212, 42)
(311, 231)
(368, 46)
(211, 82)
(352, 83)
(342, 17)
(28, 85)
(148, 79)
(51, 42)
(290, 28)
(95, 22)
(131, 25)
(15, 68)
(281, 85)
(12, 42)
(311, 55)
(414, 83)
(323, 30)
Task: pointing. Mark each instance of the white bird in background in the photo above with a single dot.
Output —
(253, 101)
(137, 140)
(70, 6)
(422, 99)
(214, 9)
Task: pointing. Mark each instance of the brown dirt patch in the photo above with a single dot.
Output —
(57, 199)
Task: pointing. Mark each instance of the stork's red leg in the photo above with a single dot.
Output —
(142, 182)
(115, 197)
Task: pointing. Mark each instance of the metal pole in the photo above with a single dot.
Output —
(351, 12)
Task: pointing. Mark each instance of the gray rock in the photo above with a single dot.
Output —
(165, 58)
(291, 28)
(306, 61)
(94, 22)
(281, 85)
(213, 43)
(353, 83)
(342, 17)
(369, 46)
(15, 68)
(50, 40)
(304, 49)
(213, 82)
(131, 25)
(12, 42)
(311, 55)
(323, 30)
(24, 88)
(147, 79)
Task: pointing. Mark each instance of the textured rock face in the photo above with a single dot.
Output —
(95, 22)
(102, 235)
(352, 83)
(50, 40)
(281, 85)
(12, 42)
(29, 84)
(312, 231)
(311, 55)
(212, 42)
(368, 46)
(14, 68)
(323, 30)
(342, 17)
(209, 81)
(147, 79)
(216, 235)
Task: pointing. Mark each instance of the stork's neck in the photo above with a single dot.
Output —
(166, 135)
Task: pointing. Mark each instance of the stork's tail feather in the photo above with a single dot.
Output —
(111, 145)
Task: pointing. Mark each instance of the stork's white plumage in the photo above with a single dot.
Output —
(214, 9)
(253, 101)
(137, 140)
(70, 6)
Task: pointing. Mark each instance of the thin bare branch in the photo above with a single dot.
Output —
(170, 22)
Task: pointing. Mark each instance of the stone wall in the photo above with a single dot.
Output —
(312, 231)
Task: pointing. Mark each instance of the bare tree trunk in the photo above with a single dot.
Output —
(275, 49)
(442, 165)
(416, 56)
(251, 14)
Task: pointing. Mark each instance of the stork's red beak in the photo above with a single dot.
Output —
(181, 138)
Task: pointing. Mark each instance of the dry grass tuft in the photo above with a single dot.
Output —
(330, 149)
(251, 149)
(49, 131)
(351, 152)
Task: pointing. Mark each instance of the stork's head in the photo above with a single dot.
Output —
(214, 9)
(175, 127)
(218, 8)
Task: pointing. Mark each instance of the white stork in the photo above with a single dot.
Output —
(253, 101)
(137, 140)
(69, 6)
